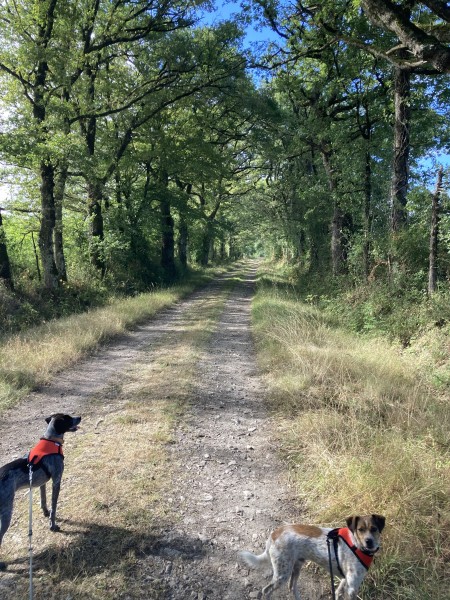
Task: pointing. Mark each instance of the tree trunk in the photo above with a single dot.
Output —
(167, 229)
(205, 247)
(207, 244)
(314, 257)
(47, 227)
(231, 247)
(60, 261)
(367, 212)
(434, 234)
(95, 196)
(46, 233)
(167, 239)
(5, 266)
(338, 243)
(338, 254)
(36, 258)
(399, 182)
(182, 241)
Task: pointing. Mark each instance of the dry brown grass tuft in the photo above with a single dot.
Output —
(361, 432)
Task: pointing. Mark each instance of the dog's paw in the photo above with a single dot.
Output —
(55, 527)
(46, 512)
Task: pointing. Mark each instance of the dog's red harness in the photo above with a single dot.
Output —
(365, 558)
(43, 448)
(344, 533)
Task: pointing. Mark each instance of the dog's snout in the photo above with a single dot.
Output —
(370, 543)
(75, 423)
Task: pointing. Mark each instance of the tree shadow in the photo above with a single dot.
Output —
(96, 548)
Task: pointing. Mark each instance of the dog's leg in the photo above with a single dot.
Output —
(281, 573)
(340, 592)
(348, 588)
(274, 585)
(44, 501)
(293, 583)
(5, 523)
(55, 493)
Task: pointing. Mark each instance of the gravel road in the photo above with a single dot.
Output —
(230, 487)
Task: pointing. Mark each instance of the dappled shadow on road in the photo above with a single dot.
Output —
(98, 551)
(156, 565)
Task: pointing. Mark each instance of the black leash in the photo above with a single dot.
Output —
(30, 530)
(333, 591)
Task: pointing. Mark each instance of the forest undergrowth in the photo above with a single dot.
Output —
(363, 425)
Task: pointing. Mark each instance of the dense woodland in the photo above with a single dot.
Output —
(140, 137)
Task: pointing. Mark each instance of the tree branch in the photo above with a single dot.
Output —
(425, 47)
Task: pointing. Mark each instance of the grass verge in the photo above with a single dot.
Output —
(115, 498)
(31, 358)
(361, 431)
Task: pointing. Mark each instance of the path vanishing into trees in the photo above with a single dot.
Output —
(226, 486)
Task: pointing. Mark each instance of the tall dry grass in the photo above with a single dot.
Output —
(361, 432)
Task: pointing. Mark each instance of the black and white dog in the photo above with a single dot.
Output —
(290, 546)
(48, 463)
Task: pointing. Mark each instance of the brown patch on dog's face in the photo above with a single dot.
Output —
(366, 531)
(305, 530)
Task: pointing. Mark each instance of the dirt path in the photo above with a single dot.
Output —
(229, 488)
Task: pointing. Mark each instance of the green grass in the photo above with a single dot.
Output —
(362, 430)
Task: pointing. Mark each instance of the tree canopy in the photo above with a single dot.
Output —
(138, 138)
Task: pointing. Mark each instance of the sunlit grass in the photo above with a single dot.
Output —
(29, 359)
(360, 432)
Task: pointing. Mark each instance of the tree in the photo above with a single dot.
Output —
(314, 31)
(5, 267)
(65, 49)
(423, 32)
(192, 147)
(434, 233)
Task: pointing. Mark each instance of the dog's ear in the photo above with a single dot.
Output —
(48, 419)
(379, 521)
(352, 522)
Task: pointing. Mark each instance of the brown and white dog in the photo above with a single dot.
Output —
(288, 548)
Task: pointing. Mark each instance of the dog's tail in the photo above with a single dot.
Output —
(256, 561)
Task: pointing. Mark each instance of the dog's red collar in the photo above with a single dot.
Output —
(364, 557)
(43, 448)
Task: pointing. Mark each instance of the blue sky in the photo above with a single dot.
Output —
(227, 10)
